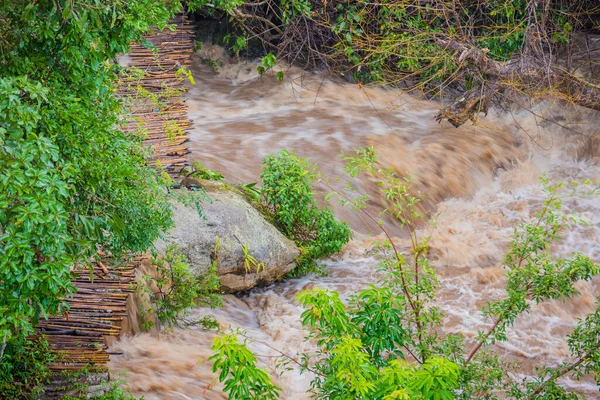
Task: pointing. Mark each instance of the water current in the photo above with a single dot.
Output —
(479, 181)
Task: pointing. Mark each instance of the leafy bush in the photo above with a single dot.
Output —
(361, 349)
(71, 181)
(24, 368)
(177, 288)
(289, 199)
(115, 392)
(387, 342)
(409, 33)
(407, 40)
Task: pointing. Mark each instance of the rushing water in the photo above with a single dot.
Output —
(480, 181)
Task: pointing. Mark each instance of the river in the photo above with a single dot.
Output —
(479, 181)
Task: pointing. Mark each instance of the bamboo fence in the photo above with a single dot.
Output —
(99, 304)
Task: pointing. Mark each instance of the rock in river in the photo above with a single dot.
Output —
(232, 220)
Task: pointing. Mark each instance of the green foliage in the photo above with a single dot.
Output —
(197, 170)
(291, 9)
(533, 274)
(251, 263)
(267, 63)
(210, 6)
(71, 180)
(172, 130)
(386, 342)
(423, 45)
(407, 40)
(251, 191)
(213, 64)
(24, 368)
(183, 71)
(361, 349)
(240, 43)
(177, 289)
(238, 371)
(114, 392)
(289, 198)
(398, 40)
(206, 322)
(109, 390)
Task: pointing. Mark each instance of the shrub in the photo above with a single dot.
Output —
(24, 368)
(114, 392)
(177, 288)
(386, 341)
(289, 199)
(105, 391)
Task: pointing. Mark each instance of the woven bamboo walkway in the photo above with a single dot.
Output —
(97, 310)
(164, 121)
(99, 305)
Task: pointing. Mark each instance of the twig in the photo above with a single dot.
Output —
(282, 354)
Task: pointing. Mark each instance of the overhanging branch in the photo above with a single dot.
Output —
(528, 74)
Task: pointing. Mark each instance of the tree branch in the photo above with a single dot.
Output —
(530, 74)
(561, 372)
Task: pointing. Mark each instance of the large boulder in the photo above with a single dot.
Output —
(231, 219)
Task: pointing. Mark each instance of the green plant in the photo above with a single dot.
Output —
(206, 322)
(250, 262)
(114, 392)
(253, 193)
(239, 44)
(177, 288)
(172, 130)
(267, 63)
(237, 365)
(214, 65)
(386, 341)
(24, 368)
(292, 9)
(210, 6)
(184, 71)
(197, 170)
(289, 199)
(108, 391)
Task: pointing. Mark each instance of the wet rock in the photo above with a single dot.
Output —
(232, 220)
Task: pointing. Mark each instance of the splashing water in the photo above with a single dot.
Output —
(481, 181)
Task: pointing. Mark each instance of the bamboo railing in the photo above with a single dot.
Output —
(99, 304)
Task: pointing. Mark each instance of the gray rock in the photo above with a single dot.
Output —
(236, 223)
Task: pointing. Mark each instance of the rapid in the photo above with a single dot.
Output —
(478, 182)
